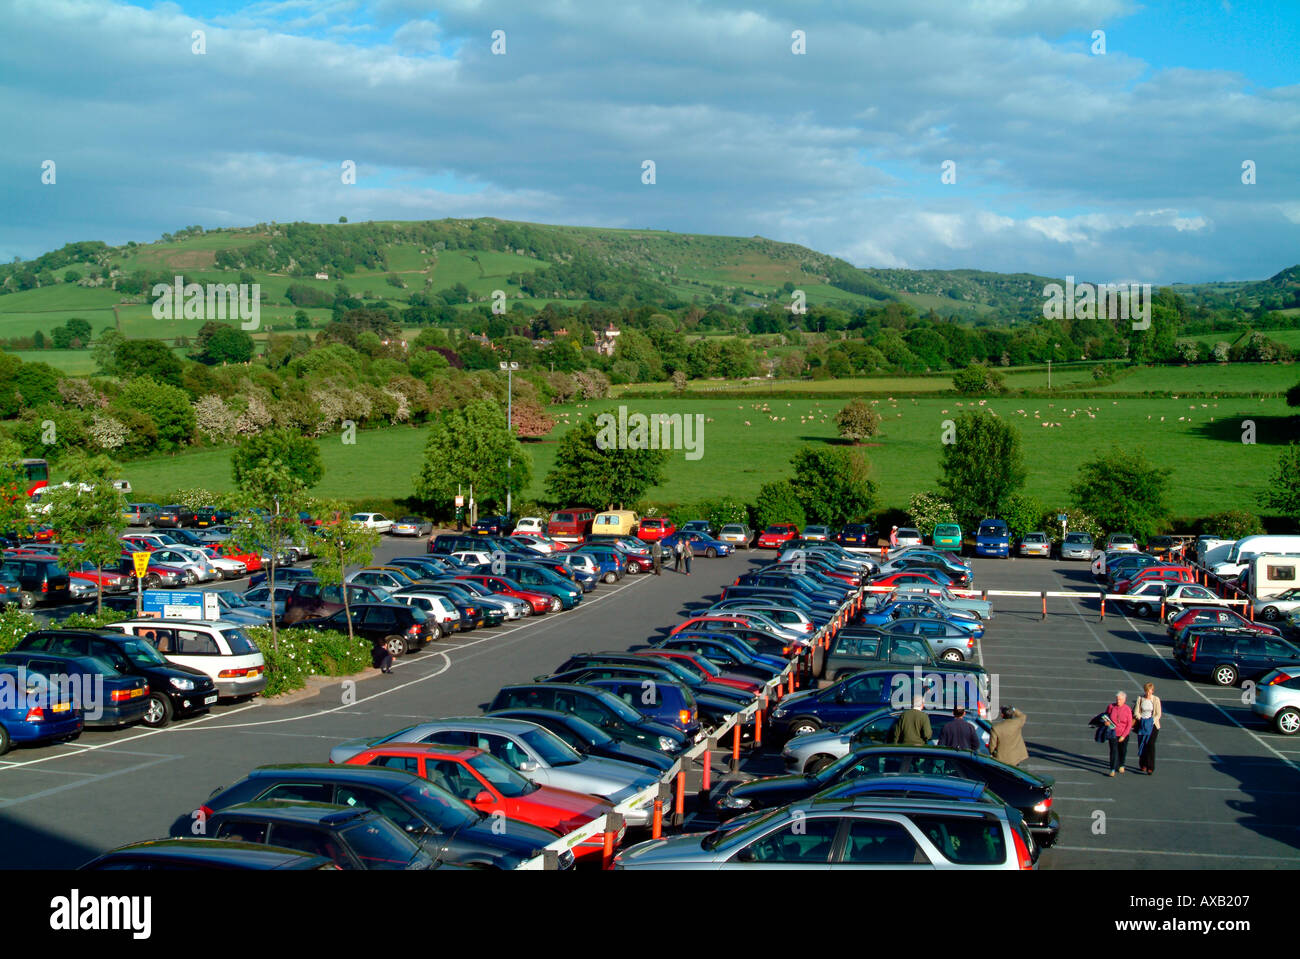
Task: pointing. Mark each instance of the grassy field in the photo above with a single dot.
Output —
(1016, 379)
(749, 442)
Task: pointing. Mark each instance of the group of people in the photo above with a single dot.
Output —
(1006, 739)
(681, 552)
(1119, 721)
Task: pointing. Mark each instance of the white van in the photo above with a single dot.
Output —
(1270, 574)
(222, 650)
(617, 522)
(1249, 547)
(1214, 551)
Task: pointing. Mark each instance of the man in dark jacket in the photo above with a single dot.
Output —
(960, 734)
(912, 728)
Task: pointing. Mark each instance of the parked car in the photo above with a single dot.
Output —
(490, 787)
(140, 514)
(855, 833)
(1122, 542)
(33, 710)
(698, 526)
(1077, 546)
(776, 535)
(947, 536)
(816, 533)
(1227, 657)
(412, 526)
(441, 612)
(855, 649)
(856, 534)
(449, 829)
(260, 597)
(588, 738)
(701, 543)
(174, 691)
(597, 706)
(41, 580)
(285, 576)
(1278, 607)
(167, 516)
(1215, 616)
(736, 534)
(376, 521)
(992, 538)
(1035, 544)
(397, 627)
(312, 600)
(538, 754)
(534, 525)
(1277, 699)
(652, 528)
(223, 651)
(493, 526)
(118, 699)
(197, 853)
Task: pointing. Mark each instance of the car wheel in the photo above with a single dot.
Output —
(711, 553)
(555, 604)
(817, 764)
(26, 600)
(1287, 721)
(1270, 613)
(159, 711)
(818, 661)
(953, 656)
(152, 580)
(191, 577)
(396, 645)
(802, 727)
(1224, 675)
(611, 578)
(4, 741)
(1142, 610)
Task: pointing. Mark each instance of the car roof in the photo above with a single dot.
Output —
(514, 727)
(294, 811)
(216, 851)
(329, 772)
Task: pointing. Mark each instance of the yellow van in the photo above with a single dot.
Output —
(617, 522)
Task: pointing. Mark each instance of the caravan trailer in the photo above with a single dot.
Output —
(1247, 548)
(1271, 574)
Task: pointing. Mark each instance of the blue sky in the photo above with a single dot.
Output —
(1117, 167)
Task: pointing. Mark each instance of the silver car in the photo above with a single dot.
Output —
(1035, 544)
(813, 752)
(980, 607)
(1277, 699)
(857, 833)
(532, 750)
(737, 534)
(1077, 546)
(1273, 608)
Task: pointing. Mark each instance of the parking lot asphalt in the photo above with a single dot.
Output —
(1222, 795)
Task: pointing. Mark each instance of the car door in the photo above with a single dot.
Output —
(1278, 652)
(380, 621)
(858, 694)
(909, 652)
(1252, 659)
(803, 842)
(869, 842)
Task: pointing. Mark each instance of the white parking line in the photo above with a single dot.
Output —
(86, 780)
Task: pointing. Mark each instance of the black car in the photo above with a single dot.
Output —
(679, 672)
(168, 517)
(597, 706)
(451, 830)
(1226, 657)
(494, 526)
(352, 837)
(109, 699)
(205, 854)
(41, 580)
(856, 534)
(284, 576)
(175, 691)
(589, 739)
(398, 628)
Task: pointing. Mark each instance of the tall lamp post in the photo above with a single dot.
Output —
(510, 371)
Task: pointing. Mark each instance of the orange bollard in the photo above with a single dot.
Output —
(611, 836)
(1162, 609)
(679, 807)
(735, 743)
(706, 777)
(791, 682)
(758, 728)
(1044, 605)
(657, 824)
(1103, 605)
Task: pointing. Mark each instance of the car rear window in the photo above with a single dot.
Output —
(239, 642)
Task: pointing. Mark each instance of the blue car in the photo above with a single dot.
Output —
(27, 714)
(702, 544)
(109, 699)
(603, 565)
(921, 609)
(992, 538)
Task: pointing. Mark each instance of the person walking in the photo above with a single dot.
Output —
(893, 538)
(1146, 719)
(1117, 722)
(677, 556)
(657, 554)
(959, 734)
(912, 728)
(687, 555)
(1007, 739)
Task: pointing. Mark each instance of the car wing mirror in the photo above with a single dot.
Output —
(528, 767)
(745, 855)
(484, 796)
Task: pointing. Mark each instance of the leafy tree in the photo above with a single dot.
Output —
(586, 474)
(220, 343)
(978, 379)
(1124, 492)
(857, 421)
(1023, 513)
(1282, 492)
(275, 450)
(530, 420)
(982, 468)
(679, 381)
(151, 358)
(105, 351)
(86, 515)
(471, 446)
(167, 406)
(344, 544)
(833, 485)
(1234, 524)
(927, 510)
(301, 320)
(778, 502)
(38, 340)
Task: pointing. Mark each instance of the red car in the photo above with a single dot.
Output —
(652, 528)
(703, 665)
(696, 620)
(540, 602)
(1168, 574)
(492, 787)
(1216, 616)
(252, 561)
(777, 535)
(107, 580)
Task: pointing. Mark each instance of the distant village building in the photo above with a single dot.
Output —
(322, 276)
(605, 342)
(481, 339)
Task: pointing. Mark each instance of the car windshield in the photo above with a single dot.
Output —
(742, 833)
(554, 750)
(437, 805)
(1078, 538)
(239, 642)
(142, 653)
(379, 844)
(992, 531)
(233, 599)
(501, 777)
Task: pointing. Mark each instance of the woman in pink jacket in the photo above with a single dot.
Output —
(1121, 720)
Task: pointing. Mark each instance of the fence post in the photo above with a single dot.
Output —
(758, 728)
(613, 823)
(706, 777)
(679, 807)
(735, 745)
(550, 859)
(1103, 605)
(1044, 595)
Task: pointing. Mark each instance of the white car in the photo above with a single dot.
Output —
(1273, 608)
(226, 566)
(539, 543)
(910, 537)
(221, 650)
(375, 521)
(437, 608)
(195, 566)
(472, 557)
(531, 524)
